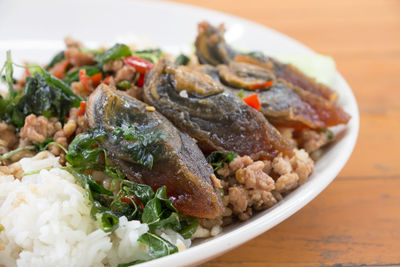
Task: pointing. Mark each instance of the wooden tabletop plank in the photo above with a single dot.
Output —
(356, 220)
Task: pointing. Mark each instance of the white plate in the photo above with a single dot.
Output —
(34, 31)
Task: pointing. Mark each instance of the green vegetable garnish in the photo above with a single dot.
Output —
(144, 147)
(182, 60)
(151, 55)
(217, 159)
(114, 52)
(241, 93)
(124, 85)
(56, 59)
(74, 76)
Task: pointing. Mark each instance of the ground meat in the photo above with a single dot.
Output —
(236, 164)
(281, 165)
(126, 73)
(238, 198)
(113, 65)
(37, 129)
(61, 138)
(77, 58)
(14, 169)
(80, 121)
(8, 137)
(260, 199)
(287, 182)
(312, 140)
(79, 89)
(70, 42)
(302, 164)
(257, 185)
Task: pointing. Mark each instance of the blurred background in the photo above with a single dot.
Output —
(356, 220)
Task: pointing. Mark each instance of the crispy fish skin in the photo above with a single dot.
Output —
(290, 106)
(290, 74)
(217, 119)
(283, 104)
(181, 166)
(211, 48)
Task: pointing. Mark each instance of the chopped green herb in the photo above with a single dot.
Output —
(151, 55)
(158, 246)
(74, 76)
(182, 60)
(143, 147)
(56, 59)
(241, 93)
(217, 159)
(114, 52)
(124, 85)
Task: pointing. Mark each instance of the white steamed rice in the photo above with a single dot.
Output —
(46, 220)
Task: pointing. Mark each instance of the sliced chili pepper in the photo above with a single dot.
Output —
(253, 101)
(89, 82)
(129, 199)
(140, 81)
(107, 79)
(82, 109)
(60, 68)
(140, 64)
(261, 85)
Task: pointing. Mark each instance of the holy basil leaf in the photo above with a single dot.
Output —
(74, 76)
(152, 212)
(114, 52)
(125, 206)
(151, 55)
(56, 59)
(161, 194)
(143, 192)
(188, 227)
(217, 159)
(106, 219)
(144, 147)
(157, 246)
(182, 60)
(172, 221)
(55, 82)
(83, 152)
(43, 145)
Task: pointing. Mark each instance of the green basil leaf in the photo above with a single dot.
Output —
(158, 246)
(143, 192)
(152, 212)
(217, 159)
(115, 52)
(74, 76)
(56, 59)
(151, 55)
(188, 227)
(80, 154)
(182, 60)
(161, 194)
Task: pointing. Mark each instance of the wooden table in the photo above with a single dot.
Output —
(356, 220)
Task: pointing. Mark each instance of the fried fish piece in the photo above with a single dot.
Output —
(211, 48)
(178, 162)
(210, 113)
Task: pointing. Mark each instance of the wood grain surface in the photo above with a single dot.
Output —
(356, 220)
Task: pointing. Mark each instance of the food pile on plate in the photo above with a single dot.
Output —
(118, 156)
